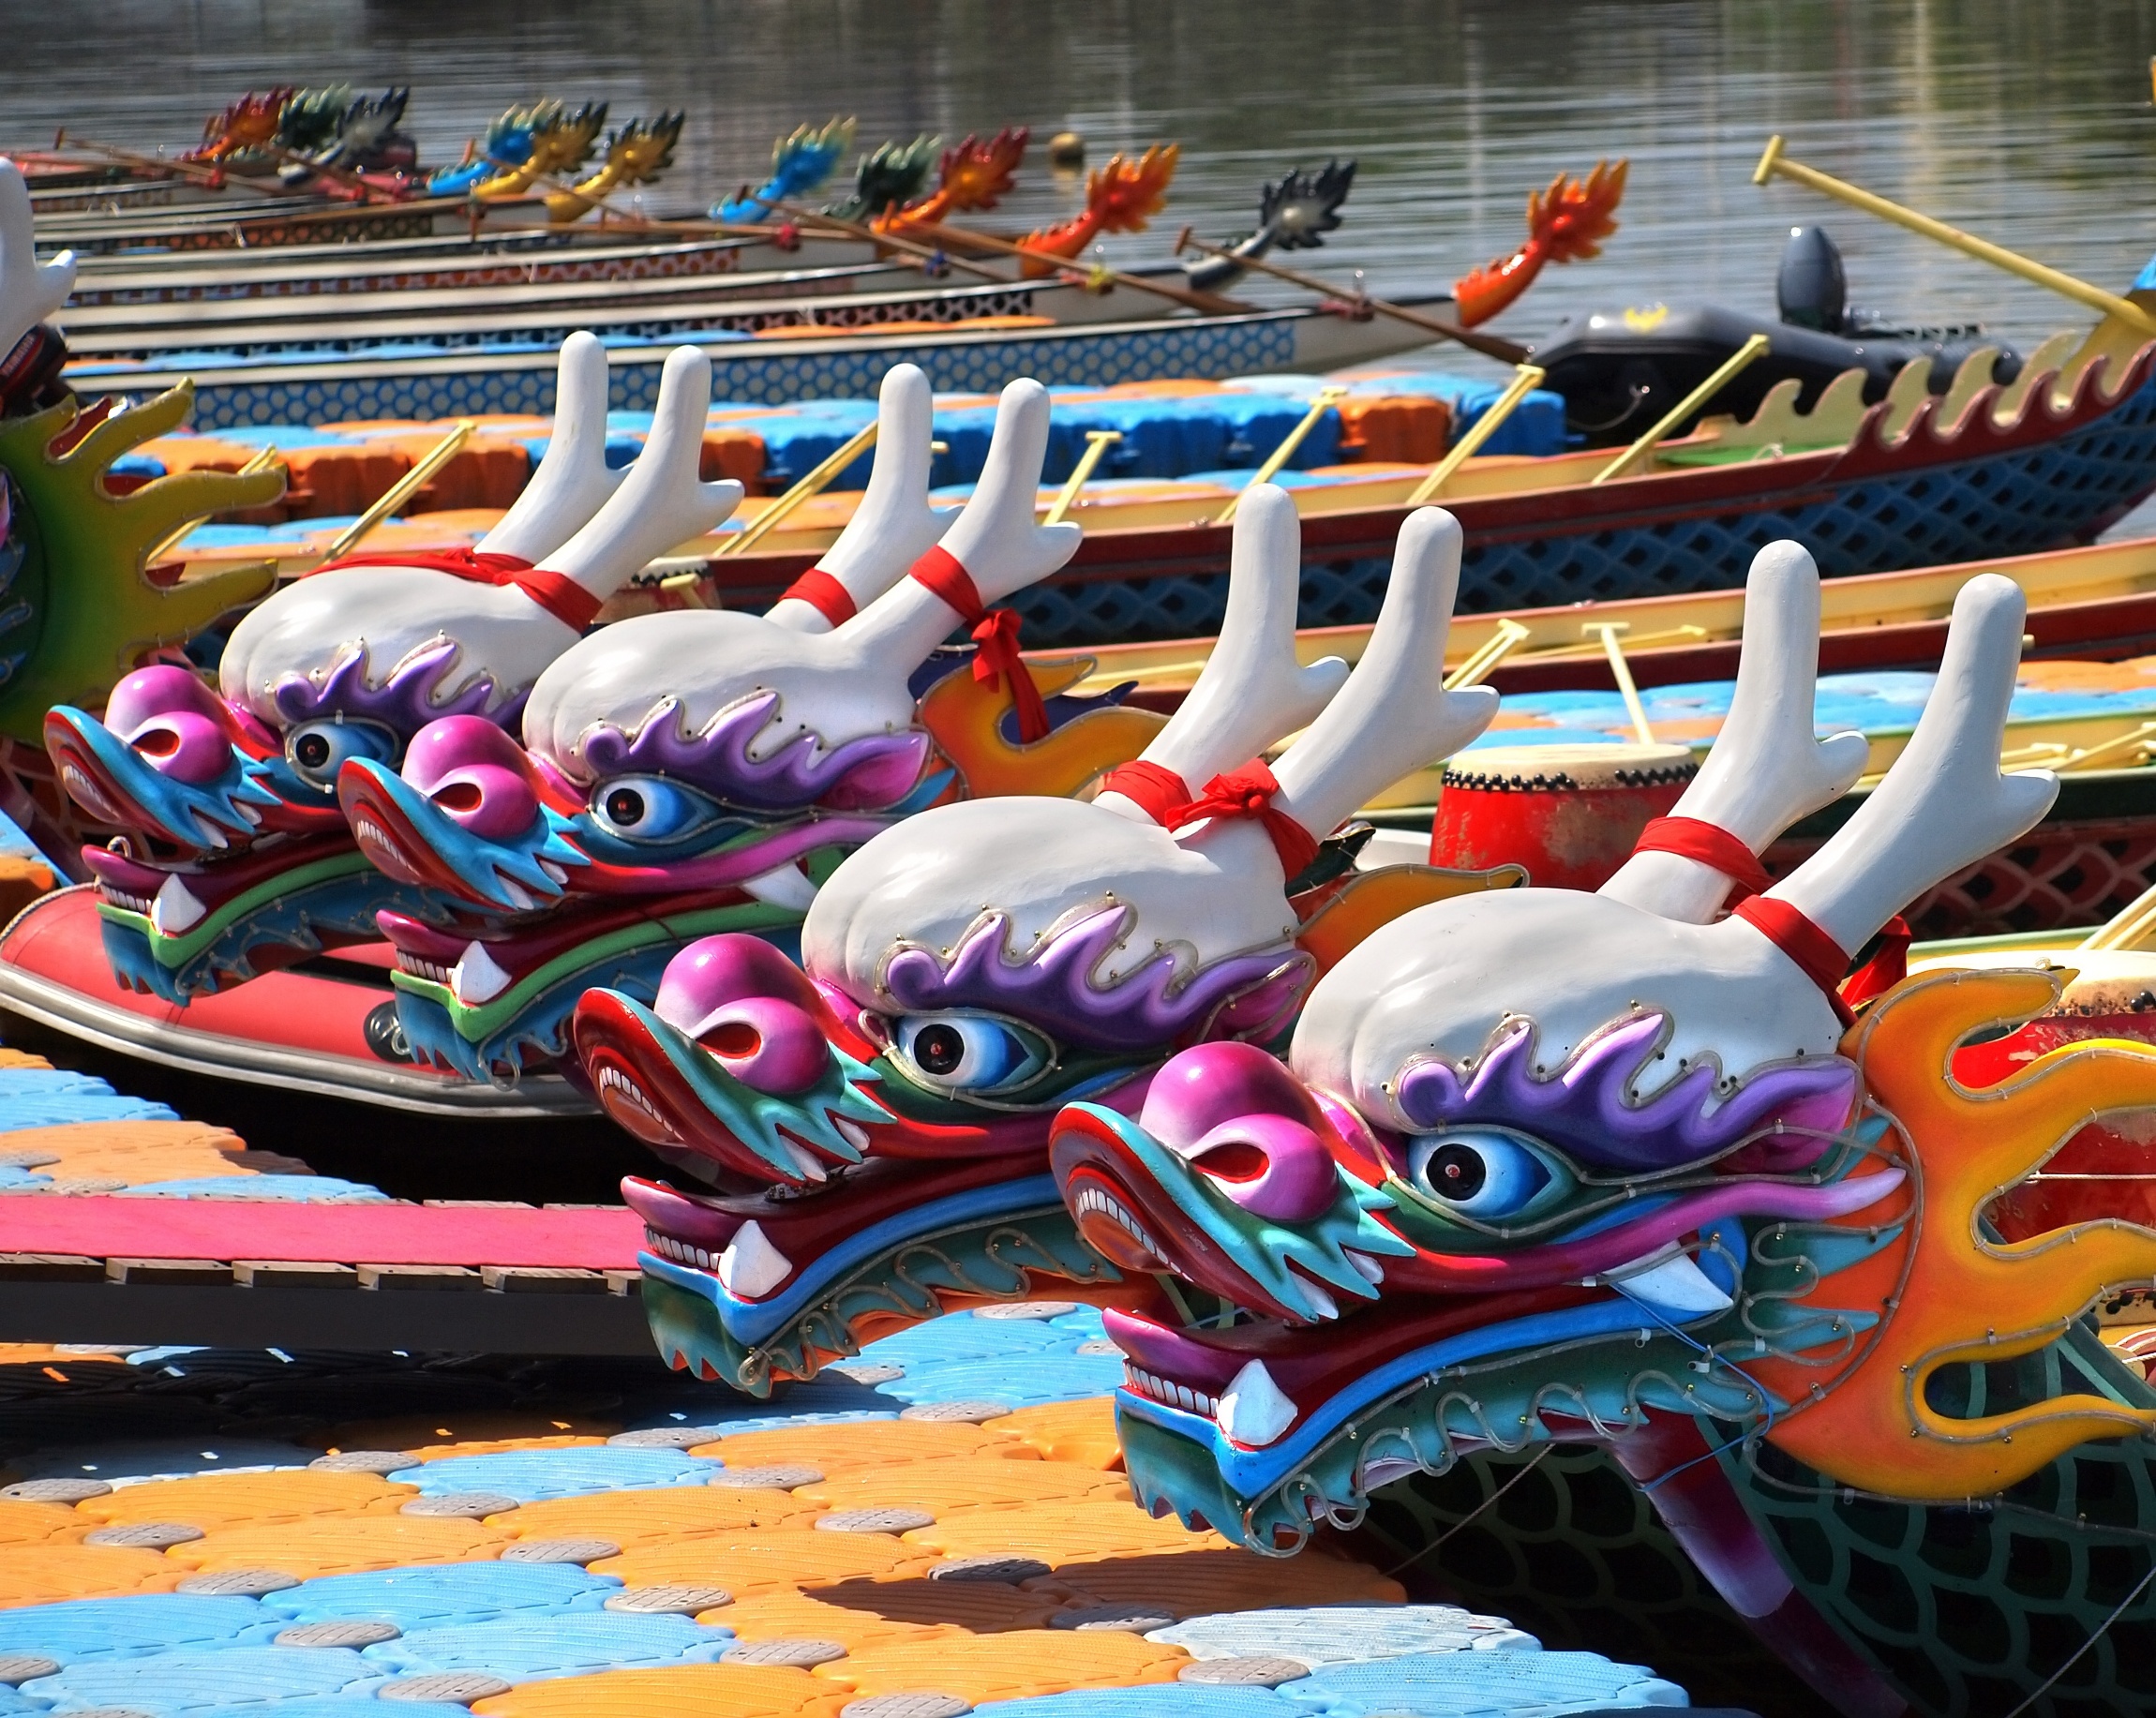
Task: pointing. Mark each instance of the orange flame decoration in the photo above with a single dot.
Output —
(1948, 1294)
(965, 718)
(972, 176)
(247, 124)
(1565, 223)
(1120, 197)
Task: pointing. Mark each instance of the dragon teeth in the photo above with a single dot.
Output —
(1094, 1198)
(1253, 1410)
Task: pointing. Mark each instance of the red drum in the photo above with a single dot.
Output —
(1569, 813)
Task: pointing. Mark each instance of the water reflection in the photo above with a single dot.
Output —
(2029, 122)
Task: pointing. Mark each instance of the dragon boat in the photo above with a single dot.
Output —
(1605, 1170)
(1686, 1214)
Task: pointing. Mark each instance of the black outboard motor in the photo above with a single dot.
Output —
(1619, 372)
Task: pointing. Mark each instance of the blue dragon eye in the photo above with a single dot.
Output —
(1477, 1173)
(650, 808)
(317, 750)
(966, 1052)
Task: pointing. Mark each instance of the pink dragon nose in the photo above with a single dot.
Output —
(476, 774)
(177, 725)
(750, 1007)
(1239, 1118)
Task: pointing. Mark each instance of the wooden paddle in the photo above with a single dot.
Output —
(1773, 164)
(1490, 346)
(1211, 304)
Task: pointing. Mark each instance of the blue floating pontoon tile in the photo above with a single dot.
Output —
(10, 1176)
(526, 1649)
(777, 1422)
(1344, 1633)
(1041, 1378)
(79, 1631)
(1156, 1700)
(305, 1190)
(1479, 1685)
(530, 1475)
(330, 1705)
(145, 466)
(53, 1098)
(443, 1595)
(173, 1683)
(963, 1338)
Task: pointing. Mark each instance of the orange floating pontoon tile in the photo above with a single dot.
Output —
(635, 1518)
(132, 1152)
(1080, 1432)
(28, 1524)
(1060, 1533)
(773, 1562)
(738, 454)
(1200, 1581)
(684, 1691)
(341, 1545)
(983, 1667)
(847, 1449)
(915, 1603)
(816, 1616)
(214, 1501)
(957, 1483)
(1412, 427)
(481, 1432)
(331, 480)
(22, 1059)
(38, 1355)
(57, 1572)
(486, 472)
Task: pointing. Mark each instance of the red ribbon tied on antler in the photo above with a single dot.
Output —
(1693, 838)
(823, 594)
(995, 636)
(560, 595)
(1247, 792)
(1824, 961)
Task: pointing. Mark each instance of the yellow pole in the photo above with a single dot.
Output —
(1098, 441)
(1286, 451)
(261, 462)
(1493, 650)
(1524, 383)
(1622, 670)
(403, 490)
(1639, 452)
(815, 483)
(1775, 164)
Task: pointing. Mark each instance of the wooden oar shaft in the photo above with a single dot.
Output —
(813, 482)
(1098, 441)
(195, 171)
(1773, 164)
(1490, 346)
(1621, 671)
(261, 462)
(904, 246)
(1641, 449)
(403, 490)
(1212, 303)
(1525, 383)
(1326, 399)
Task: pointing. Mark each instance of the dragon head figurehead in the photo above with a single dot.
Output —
(970, 971)
(237, 853)
(695, 773)
(1546, 1164)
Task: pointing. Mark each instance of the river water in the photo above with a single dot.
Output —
(2028, 122)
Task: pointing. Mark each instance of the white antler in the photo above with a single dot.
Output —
(1392, 716)
(573, 481)
(660, 504)
(1252, 690)
(893, 525)
(1767, 768)
(1944, 804)
(995, 539)
(29, 291)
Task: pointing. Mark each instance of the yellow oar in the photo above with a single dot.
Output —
(1643, 449)
(1098, 441)
(1774, 165)
(1286, 451)
(813, 484)
(1524, 383)
(1621, 671)
(403, 490)
(261, 462)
